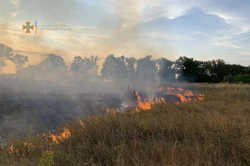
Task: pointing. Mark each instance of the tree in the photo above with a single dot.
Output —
(166, 70)
(114, 68)
(146, 69)
(218, 69)
(189, 68)
(211, 71)
(6, 53)
(85, 65)
(52, 67)
(130, 63)
(19, 60)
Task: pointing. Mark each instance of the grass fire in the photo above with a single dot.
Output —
(124, 83)
(164, 95)
(128, 111)
(209, 127)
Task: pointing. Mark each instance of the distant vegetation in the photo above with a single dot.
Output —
(163, 70)
(213, 71)
(212, 132)
(183, 69)
(130, 69)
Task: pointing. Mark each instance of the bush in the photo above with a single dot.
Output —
(242, 78)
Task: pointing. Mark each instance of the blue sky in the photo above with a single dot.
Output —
(202, 29)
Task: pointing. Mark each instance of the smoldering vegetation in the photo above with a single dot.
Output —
(45, 96)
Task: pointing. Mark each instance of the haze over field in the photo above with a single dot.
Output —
(207, 29)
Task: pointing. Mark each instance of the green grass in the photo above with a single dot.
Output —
(210, 133)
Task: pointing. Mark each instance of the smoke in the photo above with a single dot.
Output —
(47, 95)
(44, 94)
(127, 36)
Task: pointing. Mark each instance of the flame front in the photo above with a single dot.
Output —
(62, 136)
(182, 94)
(142, 105)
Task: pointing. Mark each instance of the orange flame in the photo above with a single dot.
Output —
(142, 105)
(183, 95)
(12, 149)
(29, 147)
(66, 134)
(201, 97)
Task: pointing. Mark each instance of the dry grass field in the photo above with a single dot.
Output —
(215, 132)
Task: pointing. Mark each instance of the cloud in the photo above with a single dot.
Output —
(14, 2)
(235, 13)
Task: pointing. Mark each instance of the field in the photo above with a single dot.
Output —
(213, 132)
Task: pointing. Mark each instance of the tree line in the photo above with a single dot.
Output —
(213, 71)
(147, 69)
(130, 69)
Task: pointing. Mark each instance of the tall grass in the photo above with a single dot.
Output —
(209, 133)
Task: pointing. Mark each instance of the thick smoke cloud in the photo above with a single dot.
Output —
(47, 95)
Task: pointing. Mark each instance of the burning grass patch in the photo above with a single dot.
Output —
(213, 132)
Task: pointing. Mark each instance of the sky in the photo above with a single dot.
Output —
(201, 29)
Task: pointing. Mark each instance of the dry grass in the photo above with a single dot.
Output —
(210, 133)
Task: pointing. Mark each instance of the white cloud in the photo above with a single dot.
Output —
(239, 22)
(228, 18)
(177, 8)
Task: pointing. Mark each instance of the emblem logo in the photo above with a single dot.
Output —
(27, 27)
